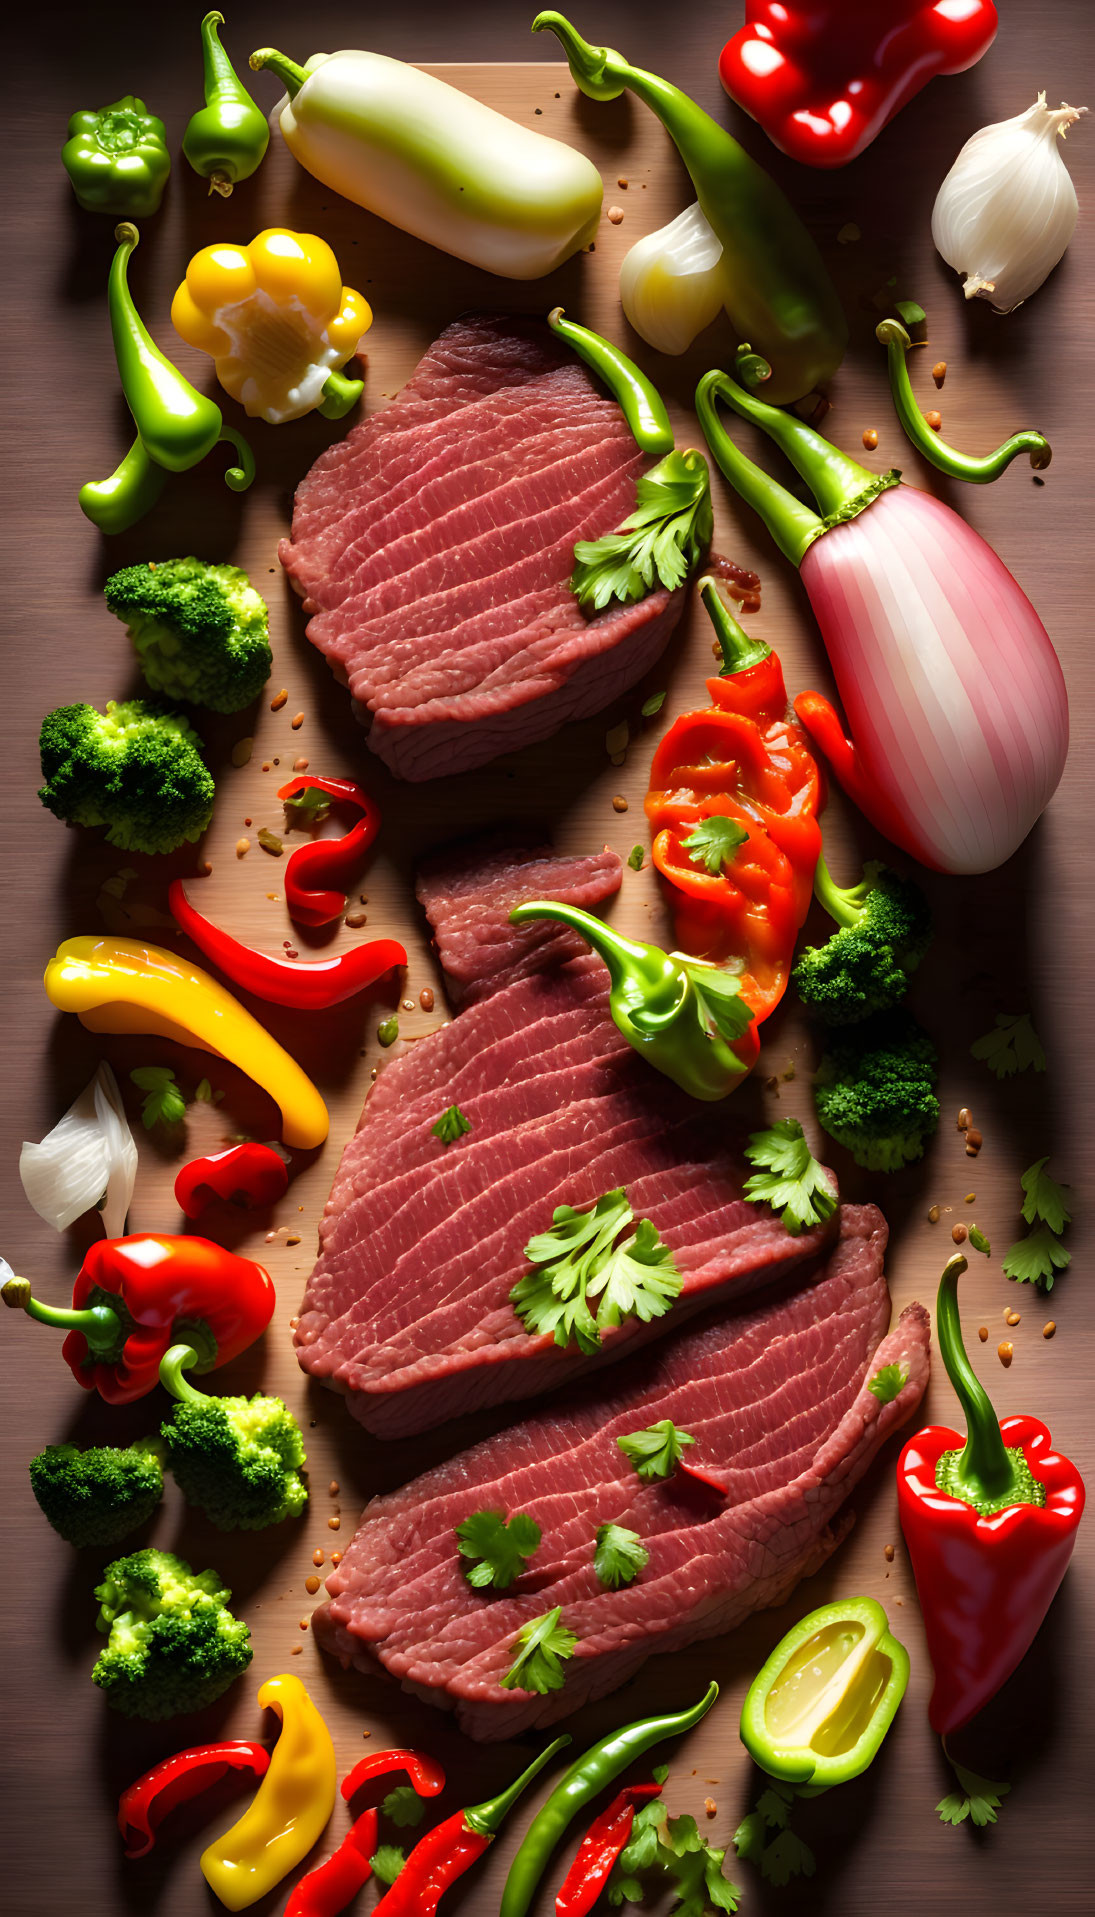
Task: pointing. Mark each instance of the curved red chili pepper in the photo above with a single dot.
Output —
(328, 1889)
(312, 868)
(251, 1175)
(606, 1837)
(436, 1861)
(143, 1806)
(427, 1777)
(311, 987)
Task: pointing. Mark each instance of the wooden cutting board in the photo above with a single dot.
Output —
(1017, 939)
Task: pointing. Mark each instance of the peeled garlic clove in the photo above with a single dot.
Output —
(672, 283)
(1007, 209)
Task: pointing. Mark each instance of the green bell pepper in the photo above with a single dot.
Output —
(817, 1712)
(117, 159)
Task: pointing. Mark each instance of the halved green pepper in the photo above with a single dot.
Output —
(117, 159)
(817, 1712)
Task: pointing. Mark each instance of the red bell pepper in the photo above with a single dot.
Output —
(606, 1837)
(823, 77)
(144, 1805)
(251, 1175)
(990, 1522)
(311, 987)
(328, 1889)
(312, 868)
(135, 1297)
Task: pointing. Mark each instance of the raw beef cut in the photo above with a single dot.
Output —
(776, 1398)
(433, 548)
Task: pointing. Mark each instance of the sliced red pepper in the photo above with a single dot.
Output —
(328, 1889)
(602, 1844)
(427, 1776)
(445, 1853)
(310, 987)
(313, 868)
(251, 1175)
(143, 1806)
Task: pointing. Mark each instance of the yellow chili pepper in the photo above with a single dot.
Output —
(288, 1811)
(277, 322)
(123, 985)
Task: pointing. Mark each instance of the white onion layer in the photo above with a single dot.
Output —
(89, 1152)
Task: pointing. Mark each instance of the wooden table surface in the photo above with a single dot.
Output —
(1020, 938)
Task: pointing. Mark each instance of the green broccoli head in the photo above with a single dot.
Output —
(238, 1459)
(201, 631)
(884, 931)
(98, 1496)
(174, 1645)
(875, 1090)
(134, 769)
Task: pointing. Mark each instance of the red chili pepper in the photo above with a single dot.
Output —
(135, 1297)
(604, 1840)
(251, 1175)
(311, 987)
(144, 1805)
(312, 868)
(823, 77)
(990, 1522)
(446, 1852)
(427, 1777)
(328, 1889)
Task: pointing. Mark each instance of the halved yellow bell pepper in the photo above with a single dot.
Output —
(277, 322)
(288, 1812)
(123, 985)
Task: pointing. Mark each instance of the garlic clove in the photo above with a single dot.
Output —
(672, 282)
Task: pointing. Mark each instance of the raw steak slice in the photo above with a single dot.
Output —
(776, 1398)
(434, 545)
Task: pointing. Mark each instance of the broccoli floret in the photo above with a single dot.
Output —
(875, 1090)
(174, 1645)
(101, 1495)
(238, 1459)
(885, 930)
(134, 769)
(201, 631)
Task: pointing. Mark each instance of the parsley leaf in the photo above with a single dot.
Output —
(635, 858)
(657, 1451)
(499, 1548)
(205, 1095)
(719, 994)
(163, 1102)
(387, 1863)
(661, 541)
(1045, 1198)
(774, 1806)
(404, 1806)
(786, 1857)
(749, 1838)
(451, 1125)
(541, 1648)
(652, 706)
(791, 1179)
(577, 1261)
(674, 1848)
(309, 807)
(660, 1773)
(909, 312)
(619, 1556)
(889, 1382)
(714, 841)
(1012, 1046)
(1033, 1260)
(979, 1799)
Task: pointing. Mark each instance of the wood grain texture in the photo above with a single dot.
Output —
(1019, 938)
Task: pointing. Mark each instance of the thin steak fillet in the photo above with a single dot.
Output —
(433, 549)
(776, 1398)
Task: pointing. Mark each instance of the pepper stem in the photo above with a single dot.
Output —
(175, 1361)
(792, 525)
(100, 1325)
(947, 459)
(985, 1467)
(592, 67)
(238, 477)
(339, 395)
(740, 651)
(623, 957)
(486, 1818)
(291, 76)
(219, 75)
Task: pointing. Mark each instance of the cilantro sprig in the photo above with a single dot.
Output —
(978, 1799)
(163, 1102)
(1044, 1200)
(619, 1555)
(387, 1862)
(542, 1648)
(1012, 1046)
(657, 1451)
(671, 1851)
(783, 1856)
(499, 1550)
(662, 541)
(451, 1125)
(584, 1281)
(719, 993)
(790, 1178)
(714, 842)
(1037, 1258)
(404, 1807)
(888, 1382)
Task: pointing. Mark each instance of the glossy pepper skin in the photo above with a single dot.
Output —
(143, 1806)
(328, 1889)
(990, 1522)
(820, 1706)
(823, 77)
(745, 758)
(311, 986)
(117, 159)
(135, 1297)
(251, 1175)
(606, 1837)
(290, 1810)
(979, 471)
(638, 398)
(446, 1852)
(313, 870)
(227, 138)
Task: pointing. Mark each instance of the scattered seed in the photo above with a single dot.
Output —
(297, 721)
(888, 1553)
(247, 822)
(623, 179)
(407, 1005)
(205, 868)
(242, 751)
(425, 999)
(959, 1234)
(333, 1488)
(266, 765)
(293, 1238)
(849, 234)
(1005, 1352)
(270, 842)
(388, 1031)
(979, 1241)
(336, 1557)
(1011, 1318)
(278, 700)
(300, 765)
(333, 1524)
(933, 1215)
(934, 420)
(870, 439)
(965, 1119)
(974, 1142)
(939, 371)
(311, 1585)
(243, 847)
(710, 1807)
(304, 1623)
(615, 215)
(971, 1198)
(295, 1650)
(619, 803)
(317, 1556)
(355, 919)
(983, 1334)
(1048, 1330)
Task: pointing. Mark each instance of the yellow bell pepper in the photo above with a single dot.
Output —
(288, 1812)
(277, 322)
(123, 985)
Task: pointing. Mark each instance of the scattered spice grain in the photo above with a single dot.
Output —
(1005, 1352)
(279, 699)
(959, 1234)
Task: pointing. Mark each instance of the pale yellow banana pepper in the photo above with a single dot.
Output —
(288, 1812)
(124, 985)
(277, 322)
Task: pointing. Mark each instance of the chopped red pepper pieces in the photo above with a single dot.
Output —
(606, 1837)
(148, 1800)
(251, 1175)
(328, 1889)
(313, 868)
(310, 987)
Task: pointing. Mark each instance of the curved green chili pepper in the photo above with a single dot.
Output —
(226, 139)
(892, 335)
(132, 490)
(638, 398)
(683, 1016)
(588, 1775)
(778, 290)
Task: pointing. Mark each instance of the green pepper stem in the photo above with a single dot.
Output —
(339, 395)
(740, 651)
(174, 1362)
(624, 957)
(220, 77)
(237, 477)
(100, 1325)
(638, 398)
(792, 525)
(132, 490)
(985, 1466)
(843, 904)
(291, 76)
(485, 1818)
(947, 459)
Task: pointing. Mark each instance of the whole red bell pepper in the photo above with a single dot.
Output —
(311, 987)
(328, 1889)
(135, 1297)
(823, 77)
(990, 1522)
(144, 1805)
(606, 1837)
(314, 868)
(251, 1174)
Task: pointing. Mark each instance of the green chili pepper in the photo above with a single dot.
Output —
(176, 425)
(778, 292)
(588, 1775)
(227, 139)
(117, 159)
(819, 1708)
(639, 399)
(686, 1018)
(892, 335)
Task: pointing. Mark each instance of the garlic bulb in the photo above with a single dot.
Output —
(1007, 209)
(672, 283)
(87, 1160)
